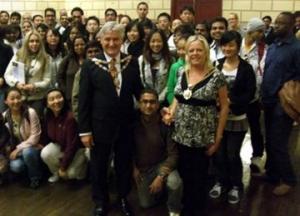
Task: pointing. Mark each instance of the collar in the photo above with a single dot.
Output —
(287, 40)
(108, 58)
(214, 44)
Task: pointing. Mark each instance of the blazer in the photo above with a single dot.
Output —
(100, 109)
(244, 87)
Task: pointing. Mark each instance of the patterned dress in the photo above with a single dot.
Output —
(196, 119)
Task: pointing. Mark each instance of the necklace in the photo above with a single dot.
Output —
(187, 93)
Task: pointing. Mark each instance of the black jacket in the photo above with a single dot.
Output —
(243, 89)
(4, 135)
(6, 53)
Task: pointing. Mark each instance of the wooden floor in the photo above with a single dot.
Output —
(62, 199)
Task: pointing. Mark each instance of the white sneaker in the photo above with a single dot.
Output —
(216, 191)
(53, 179)
(174, 214)
(256, 165)
(234, 195)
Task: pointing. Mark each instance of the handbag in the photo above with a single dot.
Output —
(289, 96)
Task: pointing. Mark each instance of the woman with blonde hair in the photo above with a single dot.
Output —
(199, 110)
(29, 71)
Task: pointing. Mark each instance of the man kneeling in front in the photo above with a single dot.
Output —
(155, 157)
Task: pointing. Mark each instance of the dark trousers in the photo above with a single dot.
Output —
(257, 140)
(100, 159)
(193, 170)
(227, 159)
(278, 128)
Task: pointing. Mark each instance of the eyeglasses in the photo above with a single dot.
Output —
(151, 102)
(110, 14)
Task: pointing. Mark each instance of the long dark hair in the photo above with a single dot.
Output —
(72, 53)
(139, 27)
(8, 116)
(60, 46)
(48, 112)
(147, 53)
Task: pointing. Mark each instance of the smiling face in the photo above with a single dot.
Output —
(50, 18)
(15, 20)
(73, 33)
(156, 43)
(14, 100)
(196, 54)
(217, 30)
(42, 33)
(26, 27)
(52, 39)
(55, 102)
(79, 46)
(230, 49)
(38, 20)
(180, 46)
(4, 17)
(124, 21)
(111, 43)
(133, 34)
(33, 43)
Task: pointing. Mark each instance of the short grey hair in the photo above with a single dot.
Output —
(112, 26)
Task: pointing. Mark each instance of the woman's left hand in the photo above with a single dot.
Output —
(211, 149)
(14, 154)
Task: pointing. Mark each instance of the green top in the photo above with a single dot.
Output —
(172, 79)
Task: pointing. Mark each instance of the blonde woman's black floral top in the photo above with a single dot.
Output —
(196, 119)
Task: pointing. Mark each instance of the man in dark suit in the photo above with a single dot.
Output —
(106, 111)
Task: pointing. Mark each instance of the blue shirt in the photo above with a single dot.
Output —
(282, 64)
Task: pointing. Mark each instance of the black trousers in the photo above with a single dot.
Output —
(193, 169)
(228, 161)
(257, 140)
(100, 159)
(278, 128)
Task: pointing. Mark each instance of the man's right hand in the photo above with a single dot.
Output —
(137, 175)
(87, 141)
(1, 82)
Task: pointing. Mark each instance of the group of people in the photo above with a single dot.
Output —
(165, 101)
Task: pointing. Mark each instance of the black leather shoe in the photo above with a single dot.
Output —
(100, 211)
(125, 207)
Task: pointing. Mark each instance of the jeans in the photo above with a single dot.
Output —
(2, 105)
(173, 187)
(257, 140)
(278, 128)
(228, 161)
(29, 160)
